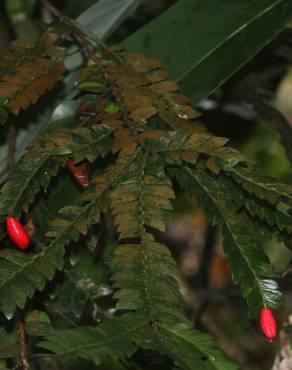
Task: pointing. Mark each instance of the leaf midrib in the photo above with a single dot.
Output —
(219, 45)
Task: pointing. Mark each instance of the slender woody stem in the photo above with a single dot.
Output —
(82, 33)
(22, 345)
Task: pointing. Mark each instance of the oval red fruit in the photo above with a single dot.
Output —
(17, 233)
(268, 323)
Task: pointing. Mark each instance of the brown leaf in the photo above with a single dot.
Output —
(143, 113)
(26, 72)
(124, 142)
(142, 63)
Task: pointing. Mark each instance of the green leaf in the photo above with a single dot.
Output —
(192, 349)
(278, 216)
(145, 275)
(251, 268)
(141, 196)
(8, 344)
(144, 271)
(30, 174)
(85, 280)
(120, 337)
(200, 143)
(20, 14)
(22, 274)
(43, 160)
(264, 187)
(37, 323)
(113, 339)
(112, 108)
(197, 40)
(90, 86)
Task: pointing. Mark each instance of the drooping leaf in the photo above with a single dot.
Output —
(251, 268)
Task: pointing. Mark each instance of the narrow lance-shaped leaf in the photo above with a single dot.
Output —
(197, 40)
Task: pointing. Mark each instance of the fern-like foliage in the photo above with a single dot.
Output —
(145, 275)
(117, 338)
(43, 160)
(27, 72)
(141, 197)
(250, 264)
(191, 349)
(114, 339)
(135, 118)
(22, 274)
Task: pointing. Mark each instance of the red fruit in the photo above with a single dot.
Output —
(268, 323)
(17, 233)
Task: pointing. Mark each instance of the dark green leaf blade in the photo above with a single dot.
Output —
(196, 37)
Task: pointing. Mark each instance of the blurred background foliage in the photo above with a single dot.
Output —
(214, 304)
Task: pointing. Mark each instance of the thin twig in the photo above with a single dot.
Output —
(81, 32)
(11, 140)
(22, 345)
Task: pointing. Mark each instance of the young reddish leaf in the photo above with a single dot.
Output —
(80, 172)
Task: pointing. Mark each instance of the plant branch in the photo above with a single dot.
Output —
(22, 345)
(82, 33)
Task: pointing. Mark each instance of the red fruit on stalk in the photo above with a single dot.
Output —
(17, 233)
(268, 323)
